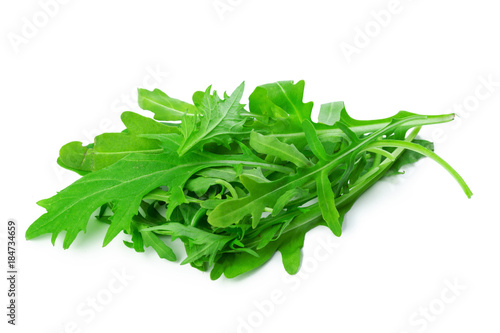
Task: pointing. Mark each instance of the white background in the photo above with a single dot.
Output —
(70, 78)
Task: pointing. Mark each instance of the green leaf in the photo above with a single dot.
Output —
(232, 211)
(137, 124)
(326, 201)
(295, 193)
(279, 99)
(271, 146)
(151, 240)
(203, 244)
(124, 184)
(290, 248)
(137, 241)
(203, 181)
(108, 148)
(229, 174)
(164, 107)
(76, 157)
(225, 173)
(112, 147)
(218, 121)
(289, 244)
(314, 143)
(200, 185)
(330, 113)
(262, 195)
(267, 235)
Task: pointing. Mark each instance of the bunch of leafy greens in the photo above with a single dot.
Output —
(234, 185)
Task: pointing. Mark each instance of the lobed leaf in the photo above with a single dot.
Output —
(203, 180)
(216, 120)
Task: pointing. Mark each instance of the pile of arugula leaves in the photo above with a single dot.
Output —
(234, 185)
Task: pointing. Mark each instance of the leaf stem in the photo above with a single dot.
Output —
(426, 152)
(228, 186)
(371, 126)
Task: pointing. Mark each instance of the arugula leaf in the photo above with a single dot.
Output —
(202, 243)
(329, 113)
(313, 141)
(326, 201)
(137, 124)
(265, 195)
(216, 122)
(164, 107)
(272, 146)
(164, 252)
(235, 186)
(123, 184)
(295, 193)
(289, 244)
(280, 99)
(109, 148)
(73, 156)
